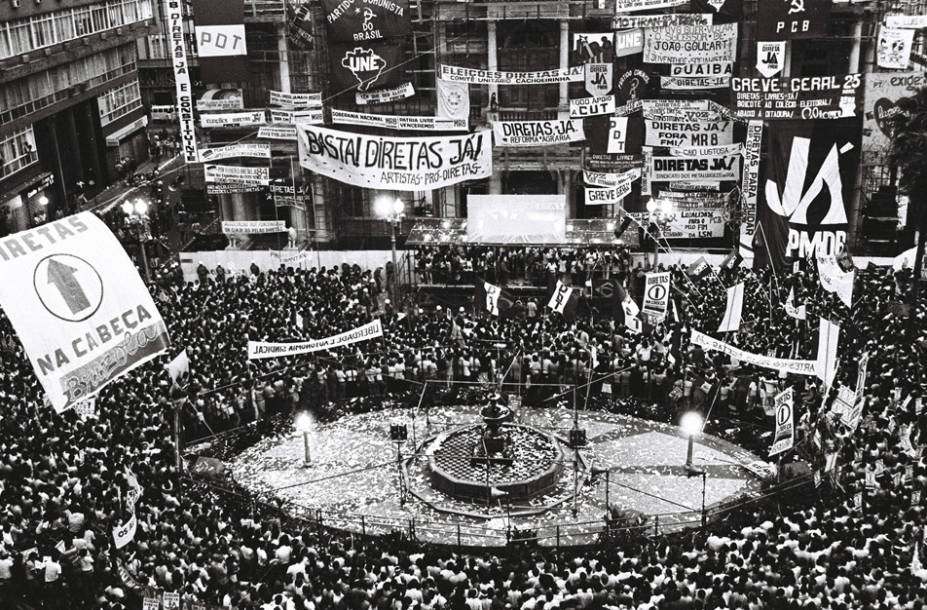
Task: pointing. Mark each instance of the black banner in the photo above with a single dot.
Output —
(800, 97)
(366, 20)
(724, 11)
(790, 19)
(299, 26)
(810, 175)
(365, 66)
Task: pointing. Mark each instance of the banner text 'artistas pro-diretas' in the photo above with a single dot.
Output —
(395, 163)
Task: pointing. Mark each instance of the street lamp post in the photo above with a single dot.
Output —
(304, 425)
(691, 425)
(137, 222)
(392, 211)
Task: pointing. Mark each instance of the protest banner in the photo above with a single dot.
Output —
(258, 350)
(475, 76)
(174, 23)
(610, 180)
(313, 116)
(656, 295)
(125, 533)
(617, 134)
(171, 600)
(722, 150)
(666, 169)
(230, 189)
(770, 57)
(252, 227)
(54, 281)
(894, 48)
(691, 44)
(151, 603)
(399, 122)
(592, 106)
(365, 66)
(689, 223)
(807, 97)
(786, 19)
(236, 174)
(252, 150)
(277, 132)
(628, 42)
(537, 133)
(384, 96)
(295, 101)
(698, 76)
(916, 22)
(221, 104)
(233, 119)
(750, 186)
(625, 22)
(784, 438)
(402, 164)
(796, 367)
(608, 195)
(685, 132)
(883, 90)
(362, 20)
(630, 6)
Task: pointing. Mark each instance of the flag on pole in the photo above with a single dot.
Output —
(699, 267)
(565, 300)
(125, 533)
(836, 280)
(800, 312)
(486, 297)
(733, 309)
(135, 490)
(178, 369)
(733, 260)
(828, 339)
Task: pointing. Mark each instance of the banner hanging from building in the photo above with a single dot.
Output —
(630, 6)
(770, 57)
(691, 44)
(173, 12)
(384, 96)
(299, 25)
(221, 100)
(78, 306)
(475, 76)
(682, 133)
(894, 48)
(365, 66)
(253, 227)
(401, 164)
(253, 150)
(220, 40)
(516, 219)
(750, 186)
(883, 90)
(790, 19)
(295, 101)
(233, 119)
(625, 22)
(610, 180)
(810, 176)
(689, 223)
(592, 106)
(398, 121)
(607, 195)
(220, 37)
(258, 350)
(628, 42)
(314, 116)
(364, 20)
(537, 133)
(807, 97)
(694, 77)
(236, 174)
(669, 169)
(277, 132)
(595, 48)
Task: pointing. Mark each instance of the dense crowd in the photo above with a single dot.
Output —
(67, 480)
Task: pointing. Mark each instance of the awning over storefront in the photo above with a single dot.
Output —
(120, 134)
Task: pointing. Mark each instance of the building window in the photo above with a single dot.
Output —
(17, 150)
(119, 102)
(20, 36)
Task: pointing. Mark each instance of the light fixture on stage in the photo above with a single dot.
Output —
(303, 424)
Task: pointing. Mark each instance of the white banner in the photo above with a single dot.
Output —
(254, 150)
(629, 42)
(828, 342)
(608, 195)
(492, 298)
(236, 174)
(656, 295)
(667, 169)
(233, 119)
(400, 164)
(723, 150)
(796, 367)
(592, 106)
(398, 121)
(125, 533)
(383, 96)
(617, 134)
(688, 133)
(784, 438)
(261, 349)
(624, 22)
(733, 309)
(698, 76)
(630, 6)
(690, 223)
(770, 57)
(277, 132)
(691, 44)
(537, 133)
(294, 101)
(178, 368)
(221, 104)
(173, 11)
(253, 227)
(598, 78)
(798, 312)
(314, 116)
(475, 76)
(609, 180)
(916, 22)
(834, 279)
(894, 48)
(220, 40)
(560, 298)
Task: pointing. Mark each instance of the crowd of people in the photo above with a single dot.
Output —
(67, 480)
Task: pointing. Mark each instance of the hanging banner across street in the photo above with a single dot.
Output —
(668, 169)
(691, 44)
(630, 6)
(784, 438)
(258, 350)
(610, 180)
(362, 20)
(233, 119)
(883, 90)
(236, 174)
(796, 367)
(173, 12)
(253, 150)
(808, 97)
(791, 19)
(402, 164)
(592, 106)
(624, 22)
(398, 121)
(384, 96)
(537, 133)
(253, 227)
(295, 101)
(683, 133)
(314, 116)
(78, 305)
(475, 76)
(277, 132)
(607, 195)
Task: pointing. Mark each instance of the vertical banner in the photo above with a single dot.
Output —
(750, 186)
(173, 11)
(733, 310)
(790, 19)
(810, 176)
(656, 295)
(220, 38)
(784, 438)
(828, 340)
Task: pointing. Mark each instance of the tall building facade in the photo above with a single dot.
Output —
(70, 102)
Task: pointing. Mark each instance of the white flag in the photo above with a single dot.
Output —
(125, 533)
(561, 297)
(492, 298)
(135, 490)
(785, 423)
(178, 368)
(78, 305)
(733, 309)
(828, 338)
(836, 280)
(453, 99)
(800, 312)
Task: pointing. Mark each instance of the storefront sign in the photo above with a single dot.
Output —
(476, 76)
(402, 164)
(691, 44)
(399, 122)
(537, 133)
(808, 97)
(295, 100)
(173, 11)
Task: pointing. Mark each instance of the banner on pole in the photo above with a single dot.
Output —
(784, 438)
(260, 349)
(656, 295)
(125, 533)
